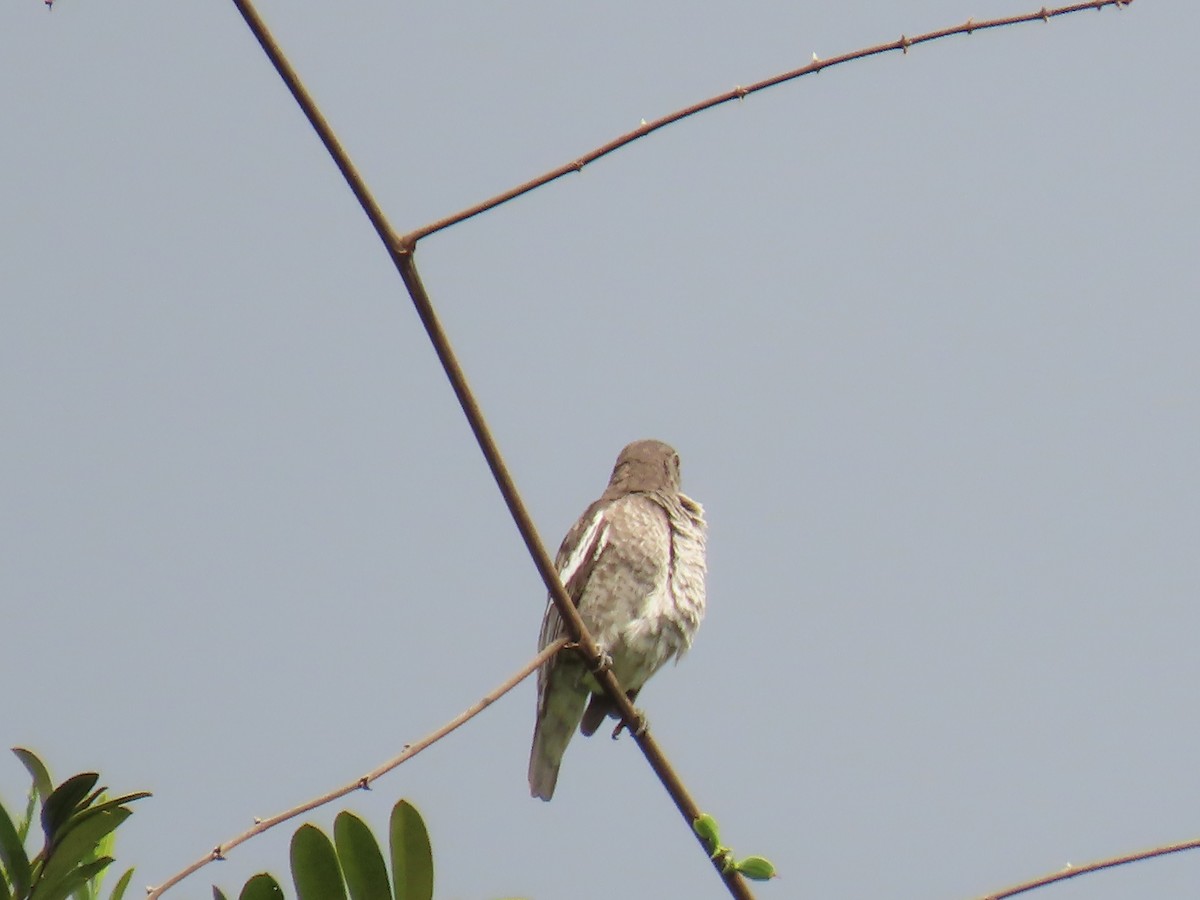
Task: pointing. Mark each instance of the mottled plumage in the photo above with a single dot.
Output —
(634, 566)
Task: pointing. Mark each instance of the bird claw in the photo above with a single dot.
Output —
(643, 725)
(603, 664)
(640, 726)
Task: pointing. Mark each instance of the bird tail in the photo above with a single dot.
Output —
(562, 708)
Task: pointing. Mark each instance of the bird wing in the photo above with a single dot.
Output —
(576, 559)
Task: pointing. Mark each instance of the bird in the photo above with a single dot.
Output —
(634, 566)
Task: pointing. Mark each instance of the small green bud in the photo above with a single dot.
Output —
(756, 868)
(706, 827)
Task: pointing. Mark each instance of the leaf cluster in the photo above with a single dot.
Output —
(756, 868)
(351, 865)
(77, 821)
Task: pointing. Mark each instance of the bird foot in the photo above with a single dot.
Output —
(603, 664)
(639, 726)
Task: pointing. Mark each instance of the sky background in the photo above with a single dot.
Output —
(923, 328)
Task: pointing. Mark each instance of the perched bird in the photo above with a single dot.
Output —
(634, 567)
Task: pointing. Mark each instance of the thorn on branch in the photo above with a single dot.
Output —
(577, 165)
(905, 43)
(257, 820)
(816, 59)
(741, 92)
(970, 26)
(217, 854)
(364, 783)
(1045, 15)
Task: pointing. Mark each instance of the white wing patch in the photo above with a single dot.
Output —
(588, 549)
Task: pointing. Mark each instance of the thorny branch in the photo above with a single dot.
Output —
(408, 241)
(1074, 871)
(364, 782)
(402, 258)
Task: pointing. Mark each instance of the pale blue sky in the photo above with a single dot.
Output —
(924, 330)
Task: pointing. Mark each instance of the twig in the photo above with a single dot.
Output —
(1074, 871)
(409, 751)
(402, 258)
(586, 645)
(902, 44)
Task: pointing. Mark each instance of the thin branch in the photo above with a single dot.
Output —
(306, 103)
(902, 44)
(402, 258)
(586, 645)
(1074, 871)
(409, 751)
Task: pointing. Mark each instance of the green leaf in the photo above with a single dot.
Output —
(119, 801)
(92, 797)
(71, 881)
(37, 769)
(315, 870)
(412, 858)
(118, 890)
(12, 854)
(82, 815)
(104, 847)
(756, 868)
(260, 887)
(79, 845)
(62, 804)
(706, 827)
(361, 859)
(31, 802)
